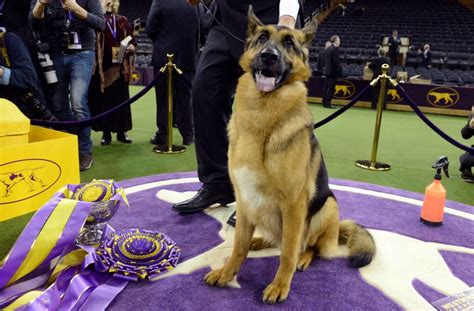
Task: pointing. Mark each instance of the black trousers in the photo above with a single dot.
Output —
(216, 77)
(182, 107)
(329, 88)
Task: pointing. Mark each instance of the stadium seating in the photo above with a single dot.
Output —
(445, 24)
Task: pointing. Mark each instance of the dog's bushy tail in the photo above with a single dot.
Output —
(359, 241)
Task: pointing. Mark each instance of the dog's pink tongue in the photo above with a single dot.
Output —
(264, 84)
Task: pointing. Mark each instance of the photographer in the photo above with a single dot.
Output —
(18, 80)
(69, 29)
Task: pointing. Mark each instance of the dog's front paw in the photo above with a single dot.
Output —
(276, 293)
(218, 278)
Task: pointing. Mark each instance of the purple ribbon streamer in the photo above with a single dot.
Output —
(71, 230)
(25, 240)
(103, 295)
(80, 288)
(51, 298)
(9, 294)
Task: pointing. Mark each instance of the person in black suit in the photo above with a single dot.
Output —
(14, 17)
(320, 62)
(173, 27)
(394, 43)
(425, 56)
(332, 70)
(376, 67)
(217, 73)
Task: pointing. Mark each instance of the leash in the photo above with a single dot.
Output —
(220, 24)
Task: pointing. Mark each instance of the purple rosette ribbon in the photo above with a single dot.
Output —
(134, 254)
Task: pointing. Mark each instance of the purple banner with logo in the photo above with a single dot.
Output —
(454, 100)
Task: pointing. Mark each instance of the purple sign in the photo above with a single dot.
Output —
(440, 99)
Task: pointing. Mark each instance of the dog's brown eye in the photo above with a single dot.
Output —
(263, 38)
(289, 43)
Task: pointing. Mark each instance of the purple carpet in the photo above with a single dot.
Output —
(395, 280)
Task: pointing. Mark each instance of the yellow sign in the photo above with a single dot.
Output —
(393, 97)
(344, 89)
(442, 97)
(24, 179)
(31, 173)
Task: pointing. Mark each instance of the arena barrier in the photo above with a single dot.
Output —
(311, 86)
(429, 98)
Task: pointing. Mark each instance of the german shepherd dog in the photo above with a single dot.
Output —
(276, 166)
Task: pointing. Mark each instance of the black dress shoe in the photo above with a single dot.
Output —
(106, 139)
(188, 140)
(158, 140)
(203, 199)
(123, 137)
(232, 220)
(329, 106)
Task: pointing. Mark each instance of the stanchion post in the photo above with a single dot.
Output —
(169, 148)
(372, 164)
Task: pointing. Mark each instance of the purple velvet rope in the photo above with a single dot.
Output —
(430, 124)
(88, 122)
(342, 109)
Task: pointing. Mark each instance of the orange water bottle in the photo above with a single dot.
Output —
(432, 212)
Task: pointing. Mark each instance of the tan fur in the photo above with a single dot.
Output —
(273, 171)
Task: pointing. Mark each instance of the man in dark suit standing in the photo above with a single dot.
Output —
(320, 62)
(173, 27)
(393, 47)
(332, 70)
(376, 67)
(216, 78)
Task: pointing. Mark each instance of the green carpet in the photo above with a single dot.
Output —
(406, 143)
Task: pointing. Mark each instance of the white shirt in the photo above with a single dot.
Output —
(289, 7)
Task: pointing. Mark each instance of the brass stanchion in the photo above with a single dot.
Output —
(372, 164)
(169, 147)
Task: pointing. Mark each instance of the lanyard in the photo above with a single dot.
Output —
(113, 30)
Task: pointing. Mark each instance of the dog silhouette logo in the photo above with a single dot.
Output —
(344, 89)
(442, 97)
(135, 78)
(24, 179)
(393, 96)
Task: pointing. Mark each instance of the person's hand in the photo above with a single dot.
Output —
(287, 21)
(71, 5)
(193, 2)
(1, 72)
(43, 1)
(131, 49)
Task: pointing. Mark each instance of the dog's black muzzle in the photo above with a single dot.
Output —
(269, 69)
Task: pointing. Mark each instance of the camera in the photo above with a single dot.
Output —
(47, 65)
(36, 110)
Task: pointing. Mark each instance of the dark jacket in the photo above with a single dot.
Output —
(173, 27)
(23, 76)
(332, 62)
(320, 62)
(393, 45)
(233, 15)
(426, 59)
(376, 65)
(15, 19)
(55, 23)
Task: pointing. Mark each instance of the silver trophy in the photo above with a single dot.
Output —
(93, 229)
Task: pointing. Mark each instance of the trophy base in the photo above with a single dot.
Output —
(167, 150)
(373, 166)
(90, 235)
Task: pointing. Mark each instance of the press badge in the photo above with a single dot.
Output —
(74, 41)
(115, 54)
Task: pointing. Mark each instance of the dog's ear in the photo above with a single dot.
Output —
(253, 22)
(309, 31)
